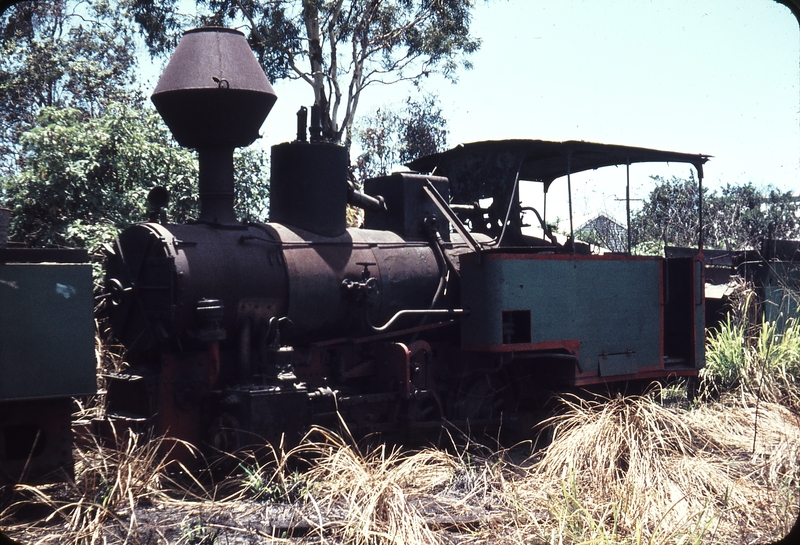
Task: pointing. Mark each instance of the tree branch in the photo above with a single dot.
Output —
(333, 76)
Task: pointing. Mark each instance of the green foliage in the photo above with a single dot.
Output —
(738, 216)
(391, 137)
(251, 184)
(162, 21)
(339, 47)
(669, 213)
(84, 178)
(61, 54)
(735, 217)
(725, 357)
(761, 360)
(78, 150)
(377, 135)
(423, 129)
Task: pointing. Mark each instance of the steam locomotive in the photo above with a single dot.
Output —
(443, 308)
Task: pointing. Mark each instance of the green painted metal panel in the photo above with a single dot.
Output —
(618, 364)
(46, 331)
(613, 307)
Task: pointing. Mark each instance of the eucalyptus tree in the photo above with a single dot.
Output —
(61, 53)
(735, 217)
(392, 136)
(339, 47)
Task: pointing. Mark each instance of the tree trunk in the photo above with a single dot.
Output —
(311, 19)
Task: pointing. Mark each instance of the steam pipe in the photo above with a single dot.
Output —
(419, 312)
(362, 200)
(316, 123)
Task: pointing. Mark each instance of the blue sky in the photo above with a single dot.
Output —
(720, 77)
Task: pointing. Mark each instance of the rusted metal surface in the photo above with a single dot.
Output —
(157, 274)
(407, 205)
(405, 273)
(213, 93)
(484, 169)
(492, 169)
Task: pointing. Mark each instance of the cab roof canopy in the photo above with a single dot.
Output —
(490, 168)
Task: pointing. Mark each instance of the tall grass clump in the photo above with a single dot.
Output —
(630, 470)
(629, 466)
(391, 496)
(100, 504)
(753, 359)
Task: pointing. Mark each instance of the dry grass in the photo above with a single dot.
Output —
(101, 504)
(631, 470)
(623, 470)
(367, 497)
(391, 496)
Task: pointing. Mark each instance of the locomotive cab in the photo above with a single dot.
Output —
(574, 318)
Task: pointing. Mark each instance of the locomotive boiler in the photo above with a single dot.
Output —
(442, 309)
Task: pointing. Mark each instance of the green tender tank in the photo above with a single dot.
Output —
(46, 330)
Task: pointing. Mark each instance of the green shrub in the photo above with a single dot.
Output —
(762, 360)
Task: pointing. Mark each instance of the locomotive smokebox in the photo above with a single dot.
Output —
(214, 96)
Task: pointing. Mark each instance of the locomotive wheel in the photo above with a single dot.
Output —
(482, 397)
(424, 408)
(225, 433)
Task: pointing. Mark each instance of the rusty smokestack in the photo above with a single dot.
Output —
(214, 96)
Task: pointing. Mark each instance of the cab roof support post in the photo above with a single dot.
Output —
(628, 200)
(569, 197)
